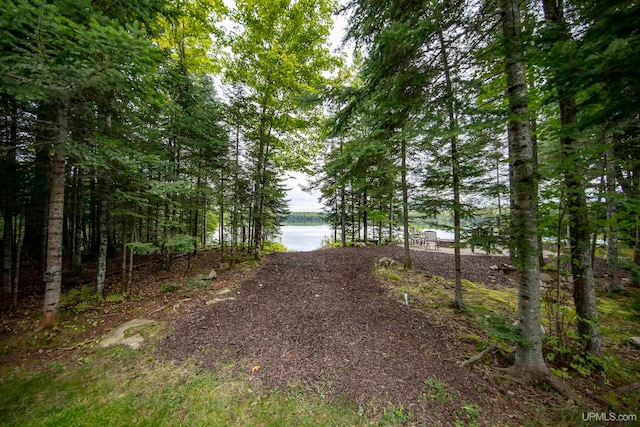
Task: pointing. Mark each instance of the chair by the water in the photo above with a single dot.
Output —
(429, 237)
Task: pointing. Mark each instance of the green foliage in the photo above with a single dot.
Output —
(80, 299)
(113, 298)
(394, 415)
(470, 412)
(499, 327)
(142, 248)
(437, 390)
(168, 288)
(176, 245)
(196, 283)
(270, 247)
(633, 268)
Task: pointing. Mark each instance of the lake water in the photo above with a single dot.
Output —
(304, 238)
(309, 238)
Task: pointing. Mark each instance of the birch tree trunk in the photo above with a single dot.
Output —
(53, 273)
(529, 361)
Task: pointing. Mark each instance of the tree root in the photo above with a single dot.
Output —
(536, 376)
(489, 350)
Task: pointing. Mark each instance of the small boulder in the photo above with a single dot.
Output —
(386, 262)
(360, 245)
(116, 337)
(615, 287)
(508, 267)
(635, 341)
(211, 276)
(546, 277)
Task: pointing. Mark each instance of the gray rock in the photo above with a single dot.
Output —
(211, 276)
(360, 245)
(546, 277)
(386, 262)
(615, 287)
(635, 341)
(116, 337)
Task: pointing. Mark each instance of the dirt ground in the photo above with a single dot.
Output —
(318, 319)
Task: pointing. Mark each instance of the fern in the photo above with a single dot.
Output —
(115, 298)
(82, 307)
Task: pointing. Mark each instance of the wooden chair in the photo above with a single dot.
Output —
(429, 237)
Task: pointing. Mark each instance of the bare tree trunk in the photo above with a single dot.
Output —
(123, 265)
(365, 218)
(130, 271)
(612, 227)
(102, 248)
(455, 170)
(7, 198)
(405, 205)
(53, 274)
(35, 238)
(343, 207)
(221, 214)
(7, 250)
(584, 294)
(16, 269)
(529, 361)
(76, 253)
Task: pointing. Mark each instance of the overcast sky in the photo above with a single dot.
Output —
(301, 201)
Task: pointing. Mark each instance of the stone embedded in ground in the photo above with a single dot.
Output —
(211, 276)
(360, 245)
(217, 300)
(615, 287)
(116, 337)
(546, 277)
(386, 262)
(635, 341)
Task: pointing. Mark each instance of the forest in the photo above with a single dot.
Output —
(163, 127)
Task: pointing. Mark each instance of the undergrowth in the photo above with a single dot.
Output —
(494, 313)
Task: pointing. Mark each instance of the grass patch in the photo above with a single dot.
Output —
(121, 387)
(436, 390)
